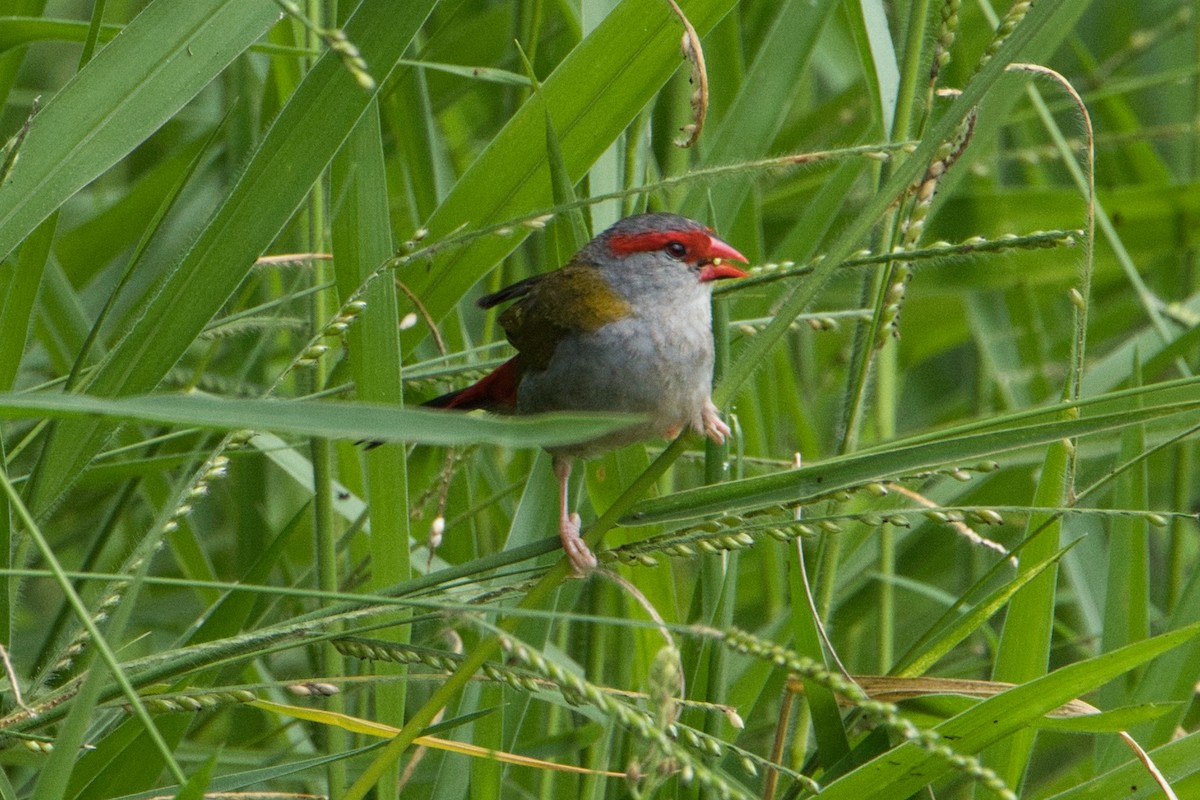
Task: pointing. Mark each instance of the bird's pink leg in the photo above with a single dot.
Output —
(714, 427)
(581, 558)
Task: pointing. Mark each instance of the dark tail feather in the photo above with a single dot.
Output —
(446, 400)
(496, 391)
(443, 401)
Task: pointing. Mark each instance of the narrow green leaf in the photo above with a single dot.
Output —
(1127, 587)
(330, 420)
(591, 96)
(299, 145)
(198, 781)
(829, 728)
(958, 446)
(903, 770)
(927, 651)
(123, 761)
(18, 290)
(361, 241)
(167, 54)
(17, 31)
(572, 233)
(262, 775)
(749, 128)
(7, 792)
(564, 236)
(1179, 762)
(1024, 650)
(536, 513)
(869, 24)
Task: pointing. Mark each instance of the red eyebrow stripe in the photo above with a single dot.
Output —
(697, 242)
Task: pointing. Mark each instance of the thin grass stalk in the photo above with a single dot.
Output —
(321, 450)
(362, 238)
(536, 598)
(93, 34)
(1025, 640)
(1023, 652)
(718, 575)
(1084, 178)
(1186, 453)
(20, 289)
(326, 548)
(887, 377)
(1183, 489)
(752, 356)
(71, 737)
(1127, 584)
(821, 704)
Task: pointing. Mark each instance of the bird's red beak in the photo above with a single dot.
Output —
(715, 270)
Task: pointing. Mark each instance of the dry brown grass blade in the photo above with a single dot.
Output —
(699, 79)
(888, 689)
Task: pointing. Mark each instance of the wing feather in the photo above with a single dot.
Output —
(574, 299)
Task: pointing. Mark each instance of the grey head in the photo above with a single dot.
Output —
(657, 256)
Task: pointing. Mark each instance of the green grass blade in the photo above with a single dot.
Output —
(18, 31)
(18, 291)
(926, 652)
(904, 457)
(1127, 586)
(1024, 651)
(750, 126)
(905, 769)
(361, 241)
(595, 92)
(332, 420)
(164, 57)
(1179, 762)
(300, 144)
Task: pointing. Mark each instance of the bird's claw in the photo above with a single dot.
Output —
(581, 557)
(714, 427)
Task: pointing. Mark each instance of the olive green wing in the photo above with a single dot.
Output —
(576, 298)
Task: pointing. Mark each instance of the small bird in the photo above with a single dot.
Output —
(624, 326)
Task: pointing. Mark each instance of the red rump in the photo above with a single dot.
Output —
(496, 391)
(701, 246)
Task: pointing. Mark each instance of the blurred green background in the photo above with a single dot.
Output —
(231, 230)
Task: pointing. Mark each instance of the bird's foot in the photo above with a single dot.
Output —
(581, 557)
(714, 427)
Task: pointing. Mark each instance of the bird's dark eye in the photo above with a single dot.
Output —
(676, 249)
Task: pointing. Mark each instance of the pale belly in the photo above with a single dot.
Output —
(627, 366)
